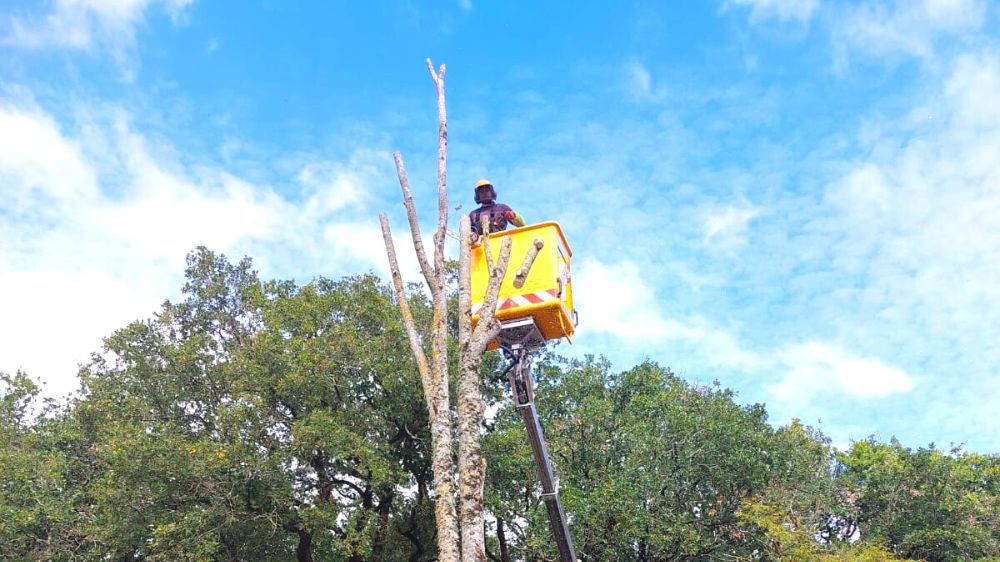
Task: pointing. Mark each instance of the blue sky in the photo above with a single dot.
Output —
(800, 199)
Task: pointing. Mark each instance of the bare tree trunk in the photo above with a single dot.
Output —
(303, 552)
(502, 539)
(470, 410)
(434, 372)
(439, 412)
(529, 260)
(442, 424)
(472, 344)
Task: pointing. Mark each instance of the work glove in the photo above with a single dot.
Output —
(509, 215)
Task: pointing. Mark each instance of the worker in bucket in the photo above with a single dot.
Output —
(498, 213)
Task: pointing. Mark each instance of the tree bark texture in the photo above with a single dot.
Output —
(439, 329)
(435, 387)
(434, 371)
(472, 345)
(529, 259)
(439, 235)
(303, 552)
(502, 539)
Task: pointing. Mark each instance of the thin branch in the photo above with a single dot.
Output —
(404, 307)
(529, 259)
(439, 235)
(433, 372)
(497, 274)
(437, 393)
(464, 280)
(472, 344)
(484, 221)
(488, 327)
(347, 483)
(411, 215)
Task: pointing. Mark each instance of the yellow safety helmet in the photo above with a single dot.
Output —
(484, 195)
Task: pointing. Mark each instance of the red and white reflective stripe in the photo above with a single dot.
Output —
(527, 299)
(521, 300)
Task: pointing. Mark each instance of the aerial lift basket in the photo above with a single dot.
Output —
(535, 304)
(546, 294)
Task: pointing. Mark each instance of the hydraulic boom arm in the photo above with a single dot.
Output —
(522, 393)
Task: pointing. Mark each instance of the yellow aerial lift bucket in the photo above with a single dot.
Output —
(546, 295)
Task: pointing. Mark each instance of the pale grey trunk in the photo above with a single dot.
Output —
(441, 429)
(438, 411)
(472, 345)
(471, 465)
(434, 373)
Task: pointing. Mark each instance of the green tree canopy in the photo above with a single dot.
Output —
(265, 420)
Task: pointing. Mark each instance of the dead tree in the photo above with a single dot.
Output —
(434, 371)
(472, 345)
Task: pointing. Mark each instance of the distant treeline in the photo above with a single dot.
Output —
(269, 421)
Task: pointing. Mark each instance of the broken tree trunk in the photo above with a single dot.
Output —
(472, 344)
(435, 386)
(529, 259)
(433, 372)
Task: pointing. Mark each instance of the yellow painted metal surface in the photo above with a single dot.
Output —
(547, 293)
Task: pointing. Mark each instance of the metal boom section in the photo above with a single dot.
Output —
(522, 393)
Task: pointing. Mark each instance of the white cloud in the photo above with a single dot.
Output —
(781, 10)
(727, 226)
(907, 245)
(85, 24)
(34, 157)
(334, 186)
(81, 260)
(972, 92)
(640, 83)
(815, 370)
(616, 299)
(79, 24)
(903, 27)
(919, 221)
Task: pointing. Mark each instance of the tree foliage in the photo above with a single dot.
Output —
(926, 504)
(264, 420)
(652, 468)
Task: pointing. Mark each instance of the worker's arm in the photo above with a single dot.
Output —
(514, 217)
